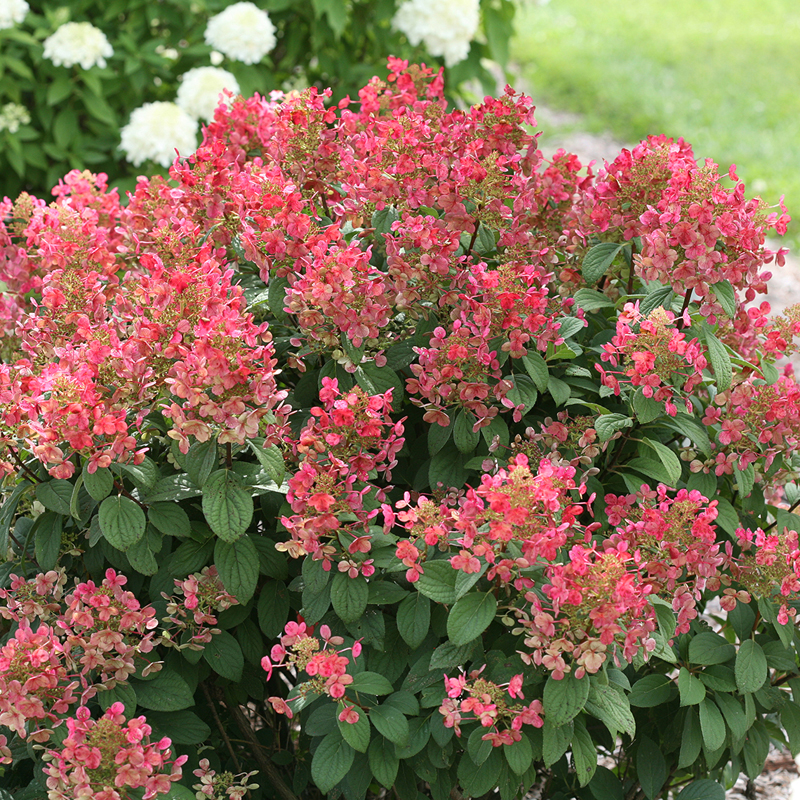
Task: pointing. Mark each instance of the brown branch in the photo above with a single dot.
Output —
(22, 466)
(220, 727)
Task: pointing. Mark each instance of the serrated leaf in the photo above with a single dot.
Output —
(651, 767)
(702, 789)
(448, 655)
(712, 725)
(201, 461)
(555, 741)
(47, 540)
(170, 519)
(371, 683)
(183, 727)
(470, 617)
(224, 656)
(720, 361)
(607, 425)
(710, 648)
(590, 300)
(659, 297)
(750, 668)
(519, 755)
(438, 581)
(378, 380)
(122, 521)
(349, 596)
(168, 691)
(390, 723)
(55, 495)
(356, 734)
(598, 259)
(667, 457)
(733, 713)
(271, 459)
(237, 565)
(563, 700)
(692, 690)
(142, 558)
(645, 408)
(522, 393)
(651, 690)
(559, 391)
(611, 708)
(465, 438)
(726, 296)
(790, 722)
(383, 762)
(331, 762)
(536, 367)
(98, 483)
(745, 479)
(414, 619)
(227, 505)
(272, 608)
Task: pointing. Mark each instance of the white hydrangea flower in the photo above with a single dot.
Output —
(198, 94)
(156, 131)
(12, 115)
(444, 27)
(78, 43)
(12, 12)
(242, 32)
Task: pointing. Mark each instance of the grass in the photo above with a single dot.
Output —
(723, 74)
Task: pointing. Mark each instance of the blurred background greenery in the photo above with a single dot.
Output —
(723, 74)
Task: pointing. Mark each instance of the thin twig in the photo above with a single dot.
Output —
(221, 728)
(22, 466)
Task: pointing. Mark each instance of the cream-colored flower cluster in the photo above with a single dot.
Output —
(200, 90)
(78, 43)
(444, 27)
(156, 131)
(242, 32)
(12, 115)
(12, 12)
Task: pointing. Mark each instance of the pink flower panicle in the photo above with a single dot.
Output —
(324, 664)
(473, 697)
(103, 758)
(222, 785)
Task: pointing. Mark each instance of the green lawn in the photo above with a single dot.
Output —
(724, 74)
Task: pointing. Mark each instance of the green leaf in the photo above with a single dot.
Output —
(745, 480)
(563, 700)
(590, 300)
(465, 438)
(337, 13)
(691, 689)
(200, 461)
(99, 483)
(702, 789)
(371, 683)
(733, 712)
(751, 667)
(224, 656)
(522, 393)
(378, 380)
(651, 690)
(662, 296)
(584, 753)
(272, 608)
(448, 655)
(607, 425)
(645, 408)
(712, 725)
(121, 693)
(227, 506)
(691, 741)
(756, 749)
(144, 475)
(122, 521)
(555, 741)
(720, 361)
(183, 727)
(536, 367)
(438, 581)
(331, 762)
(652, 469)
(277, 298)
(349, 596)
(559, 391)
(391, 723)
(170, 519)
(692, 430)
(383, 219)
(271, 459)
(141, 556)
(470, 617)
(47, 541)
(55, 495)
(478, 779)
(414, 619)
(651, 767)
(667, 457)
(611, 708)
(356, 734)
(168, 691)
(519, 755)
(237, 565)
(171, 488)
(447, 467)
(790, 721)
(383, 762)
(726, 296)
(478, 747)
(598, 259)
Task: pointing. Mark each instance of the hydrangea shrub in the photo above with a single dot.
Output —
(374, 451)
(118, 87)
